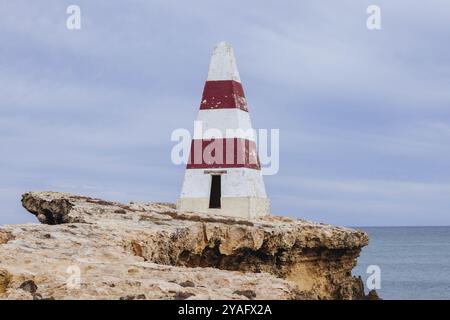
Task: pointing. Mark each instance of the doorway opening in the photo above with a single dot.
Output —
(216, 192)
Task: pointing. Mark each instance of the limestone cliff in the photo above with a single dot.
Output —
(88, 248)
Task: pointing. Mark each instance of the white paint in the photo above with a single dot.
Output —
(223, 64)
(243, 193)
(226, 121)
(237, 182)
(239, 207)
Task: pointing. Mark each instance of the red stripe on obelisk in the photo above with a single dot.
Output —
(223, 94)
(223, 153)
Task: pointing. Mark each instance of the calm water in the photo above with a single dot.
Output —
(414, 261)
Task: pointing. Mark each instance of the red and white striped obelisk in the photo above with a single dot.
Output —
(223, 175)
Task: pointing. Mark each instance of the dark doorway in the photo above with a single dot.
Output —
(214, 197)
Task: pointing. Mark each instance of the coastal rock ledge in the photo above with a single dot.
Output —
(89, 248)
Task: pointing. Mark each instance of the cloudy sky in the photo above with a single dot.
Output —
(364, 116)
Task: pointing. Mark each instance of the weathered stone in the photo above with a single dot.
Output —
(127, 250)
(5, 237)
(137, 297)
(183, 295)
(29, 286)
(187, 284)
(246, 293)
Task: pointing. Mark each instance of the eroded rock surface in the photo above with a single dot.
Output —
(152, 251)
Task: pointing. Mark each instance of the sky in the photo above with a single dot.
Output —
(364, 115)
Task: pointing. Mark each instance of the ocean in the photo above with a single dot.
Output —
(414, 262)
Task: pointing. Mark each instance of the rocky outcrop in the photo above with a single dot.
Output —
(96, 249)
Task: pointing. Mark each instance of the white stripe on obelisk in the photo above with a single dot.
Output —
(230, 123)
(197, 184)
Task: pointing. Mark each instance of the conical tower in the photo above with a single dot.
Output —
(223, 175)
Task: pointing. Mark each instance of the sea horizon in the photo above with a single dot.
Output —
(414, 261)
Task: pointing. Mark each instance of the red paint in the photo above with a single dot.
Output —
(223, 94)
(223, 153)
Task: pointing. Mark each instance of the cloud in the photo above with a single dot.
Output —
(363, 116)
(362, 202)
